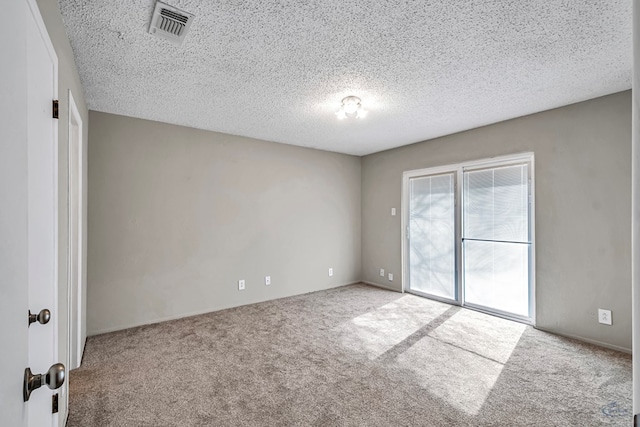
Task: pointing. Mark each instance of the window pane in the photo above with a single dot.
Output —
(496, 204)
(432, 235)
(496, 275)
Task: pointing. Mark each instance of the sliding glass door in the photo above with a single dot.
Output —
(432, 254)
(496, 240)
(471, 244)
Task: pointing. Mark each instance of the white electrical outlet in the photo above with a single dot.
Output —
(391, 277)
(267, 280)
(330, 272)
(604, 316)
(382, 272)
(241, 285)
(393, 211)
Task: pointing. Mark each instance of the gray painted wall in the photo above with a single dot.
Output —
(583, 209)
(68, 80)
(177, 216)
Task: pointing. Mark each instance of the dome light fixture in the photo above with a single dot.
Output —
(351, 107)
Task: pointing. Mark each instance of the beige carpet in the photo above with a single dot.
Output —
(351, 356)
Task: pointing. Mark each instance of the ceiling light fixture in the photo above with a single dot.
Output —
(351, 107)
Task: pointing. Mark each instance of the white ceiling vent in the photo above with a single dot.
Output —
(170, 23)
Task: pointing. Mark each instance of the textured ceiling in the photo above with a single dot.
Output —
(277, 70)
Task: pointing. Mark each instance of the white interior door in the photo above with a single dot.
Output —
(42, 222)
(13, 213)
(28, 218)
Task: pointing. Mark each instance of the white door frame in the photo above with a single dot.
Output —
(75, 290)
(460, 168)
(635, 208)
(404, 220)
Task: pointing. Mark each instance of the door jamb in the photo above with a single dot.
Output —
(75, 300)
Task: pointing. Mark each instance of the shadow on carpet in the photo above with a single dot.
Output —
(350, 356)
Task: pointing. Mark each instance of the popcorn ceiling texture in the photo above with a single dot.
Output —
(277, 70)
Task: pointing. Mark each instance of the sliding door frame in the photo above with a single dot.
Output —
(459, 169)
(406, 188)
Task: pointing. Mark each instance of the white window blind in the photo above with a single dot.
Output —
(496, 238)
(496, 204)
(432, 235)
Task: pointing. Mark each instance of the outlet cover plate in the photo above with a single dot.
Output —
(382, 272)
(604, 316)
(391, 277)
(330, 272)
(241, 285)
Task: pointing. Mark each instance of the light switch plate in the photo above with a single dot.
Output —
(267, 280)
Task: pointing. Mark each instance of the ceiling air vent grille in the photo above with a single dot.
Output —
(170, 23)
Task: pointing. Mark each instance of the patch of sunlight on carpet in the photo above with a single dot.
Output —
(377, 331)
(458, 377)
(461, 360)
(488, 336)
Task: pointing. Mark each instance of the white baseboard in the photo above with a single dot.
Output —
(352, 283)
(387, 287)
(589, 341)
(158, 320)
(378, 285)
(200, 312)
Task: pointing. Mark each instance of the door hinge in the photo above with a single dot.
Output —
(54, 404)
(55, 108)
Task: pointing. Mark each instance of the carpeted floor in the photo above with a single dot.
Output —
(350, 356)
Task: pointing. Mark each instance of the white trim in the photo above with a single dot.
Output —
(170, 318)
(458, 170)
(75, 119)
(320, 290)
(406, 178)
(532, 239)
(379, 285)
(434, 297)
(211, 310)
(35, 11)
(458, 230)
(404, 223)
(499, 313)
(587, 340)
(472, 164)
